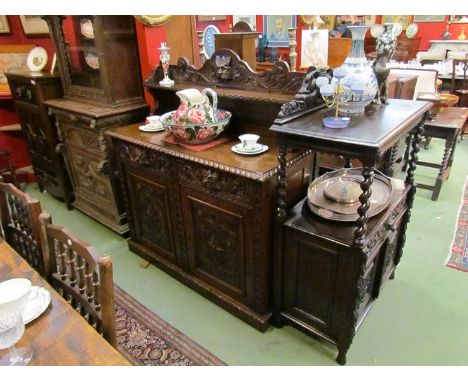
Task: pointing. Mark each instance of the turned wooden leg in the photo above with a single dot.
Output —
(278, 235)
(361, 222)
(416, 137)
(341, 357)
(442, 170)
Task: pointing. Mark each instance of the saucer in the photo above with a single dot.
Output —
(151, 129)
(238, 149)
(39, 300)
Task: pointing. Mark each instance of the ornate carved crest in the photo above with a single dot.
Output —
(226, 69)
(307, 99)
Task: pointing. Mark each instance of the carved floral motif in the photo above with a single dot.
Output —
(216, 182)
(152, 208)
(225, 67)
(216, 238)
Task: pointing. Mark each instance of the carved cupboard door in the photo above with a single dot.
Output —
(151, 215)
(90, 184)
(36, 133)
(220, 248)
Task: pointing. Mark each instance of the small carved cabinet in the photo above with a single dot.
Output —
(100, 73)
(30, 91)
(327, 273)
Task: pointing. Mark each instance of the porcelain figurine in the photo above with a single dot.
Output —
(446, 35)
(165, 57)
(385, 48)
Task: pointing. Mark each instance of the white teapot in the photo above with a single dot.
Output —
(195, 106)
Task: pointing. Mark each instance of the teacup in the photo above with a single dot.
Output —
(14, 294)
(153, 121)
(249, 141)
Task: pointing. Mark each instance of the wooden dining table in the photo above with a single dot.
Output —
(59, 336)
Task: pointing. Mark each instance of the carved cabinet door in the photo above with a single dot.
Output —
(151, 215)
(89, 183)
(310, 285)
(36, 133)
(220, 249)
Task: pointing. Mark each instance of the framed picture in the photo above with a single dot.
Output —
(309, 20)
(34, 25)
(458, 19)
(402, 19)
(211, 17)
(251, 19)
(428, 19)
(314, 48)
(4, 27)
(276, 29)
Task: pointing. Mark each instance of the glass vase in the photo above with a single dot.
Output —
(360, 71)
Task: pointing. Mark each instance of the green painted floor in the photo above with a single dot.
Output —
(420, 318)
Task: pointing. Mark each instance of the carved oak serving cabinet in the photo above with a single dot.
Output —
(100, 72)
(327, 274)
(30, 90)
(206, 217)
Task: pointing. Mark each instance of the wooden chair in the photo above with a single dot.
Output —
(82, 276)
(426, 82)
(19, 218)
(460, 86)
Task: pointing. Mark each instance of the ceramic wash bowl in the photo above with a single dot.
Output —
(195, 133)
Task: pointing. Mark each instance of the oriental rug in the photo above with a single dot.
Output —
(147, 340)
(458, 257)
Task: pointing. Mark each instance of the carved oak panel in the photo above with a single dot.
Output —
(150, 209)
(212, 181)
(312, 294)
(83, 139)
(88, 180)
(216, 245)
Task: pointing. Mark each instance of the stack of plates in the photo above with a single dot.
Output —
(335, 195)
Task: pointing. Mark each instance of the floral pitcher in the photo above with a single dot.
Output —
(195, 107)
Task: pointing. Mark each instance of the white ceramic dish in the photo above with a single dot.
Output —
(39, 300)
(92, 60)
(14, 293)
(238, 149)
(37, 59)
(86, 26)
(151, 128)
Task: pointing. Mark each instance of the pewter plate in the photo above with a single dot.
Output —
(335, 195)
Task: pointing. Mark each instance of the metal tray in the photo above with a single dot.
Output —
(335, 195)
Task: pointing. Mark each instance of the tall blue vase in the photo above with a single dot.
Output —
(359, 71)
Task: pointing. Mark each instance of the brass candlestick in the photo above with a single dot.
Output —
(292, 47)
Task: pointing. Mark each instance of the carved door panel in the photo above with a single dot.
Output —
(36, 133)
(310, 282)
(88, 180)
(151, 215)
(220, 248)
(391, 246)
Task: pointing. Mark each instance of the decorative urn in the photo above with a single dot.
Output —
(359, 71)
